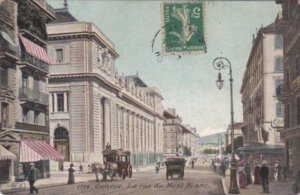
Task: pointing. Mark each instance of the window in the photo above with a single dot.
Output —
(25, 115)
(36, 117)
(24, 81)
(36, 84)
(60, 102)
(59, 55)
(278, 64)
(298, 110)
(287, 116)
(279, 110)
(4, 114)
(278, 42)
(3, 77)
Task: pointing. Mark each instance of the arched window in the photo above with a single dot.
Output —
(61, 134)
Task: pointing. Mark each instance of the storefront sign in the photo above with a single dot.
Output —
(31, 136)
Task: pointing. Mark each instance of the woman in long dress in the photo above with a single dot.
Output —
(257, 179)
(71, 179)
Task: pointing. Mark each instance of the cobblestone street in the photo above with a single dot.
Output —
(196, 181)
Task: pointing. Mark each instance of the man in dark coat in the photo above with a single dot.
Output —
(264, 174)
(32, 177)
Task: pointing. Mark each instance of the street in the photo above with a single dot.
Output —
(200, 180)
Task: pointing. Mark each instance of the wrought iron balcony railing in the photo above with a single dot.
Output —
(33, 95)
(35, 62)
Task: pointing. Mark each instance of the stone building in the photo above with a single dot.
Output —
(190, 139)
(175, 134)
(262, 112)
(23, 88)
(288, 23)
(91, 105)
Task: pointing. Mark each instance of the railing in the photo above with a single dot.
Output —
(33, 95)
(35, 62)
(44, 5)
(32, 127)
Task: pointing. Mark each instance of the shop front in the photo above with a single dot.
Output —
(6, 164)
(26, 148)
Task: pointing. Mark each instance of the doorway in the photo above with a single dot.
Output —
(61, 144)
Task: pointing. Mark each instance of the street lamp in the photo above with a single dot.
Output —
(220, 63)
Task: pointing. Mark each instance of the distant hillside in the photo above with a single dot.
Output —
(212, 139)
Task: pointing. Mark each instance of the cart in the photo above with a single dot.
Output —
(175, 166)
(118, 161)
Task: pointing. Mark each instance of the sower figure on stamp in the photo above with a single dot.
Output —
(264, 174)
(32, 177)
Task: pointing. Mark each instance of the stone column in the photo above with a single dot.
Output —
(133, 133)
(129, 131)
(55, 102)
(65, 102)
(106, 108)
(50, 103)
(118, 127)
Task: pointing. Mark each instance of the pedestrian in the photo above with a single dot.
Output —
(89, 170)
(242, 174)
(71, 179)
(257, 179)
(32, 177)
(193, 164)
(264, 174)
(248, 173)
(223, 168)
(276, 172)
(296, 184)
(80, 168)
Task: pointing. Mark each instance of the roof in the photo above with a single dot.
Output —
(63, 15)
(137, 80)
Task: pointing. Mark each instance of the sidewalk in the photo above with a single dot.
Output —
(276, 188)
(58, 178)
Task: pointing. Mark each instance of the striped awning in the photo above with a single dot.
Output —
(5, 154)
(31, 151)
(35, 50)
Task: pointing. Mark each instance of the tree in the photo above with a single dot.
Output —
(210, 151)
(238, 142)
(187, 151)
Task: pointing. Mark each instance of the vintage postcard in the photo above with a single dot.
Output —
(149, 97)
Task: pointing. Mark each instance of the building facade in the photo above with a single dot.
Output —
(264, 72)
(23, 87)
(288, 23)
(91, 105)
(176, 135)
(262, 111)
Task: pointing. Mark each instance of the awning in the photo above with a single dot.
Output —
(5, 154)
(35, 50)
(31, 151)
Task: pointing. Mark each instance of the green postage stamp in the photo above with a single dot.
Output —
(183, 24)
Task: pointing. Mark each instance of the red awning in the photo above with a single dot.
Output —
(31, 151)
(35, 50)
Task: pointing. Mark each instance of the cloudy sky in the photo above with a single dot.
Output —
(187, 84)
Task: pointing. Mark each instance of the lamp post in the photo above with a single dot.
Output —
(219, 64)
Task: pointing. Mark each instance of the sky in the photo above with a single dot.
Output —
(187, 84)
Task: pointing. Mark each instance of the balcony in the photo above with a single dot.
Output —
(33, 95)
(45, 7)
(32, 62)
(281, 92)
(31, 127)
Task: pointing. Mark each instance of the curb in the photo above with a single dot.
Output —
(43, 186)
(224, 186)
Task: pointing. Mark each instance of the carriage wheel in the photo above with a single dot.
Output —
(129, 171)
(123, 174)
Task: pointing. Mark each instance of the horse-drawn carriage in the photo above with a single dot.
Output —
(116, 163)
(175, 166)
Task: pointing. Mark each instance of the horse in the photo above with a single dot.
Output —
(108, 168)
(97, 168)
